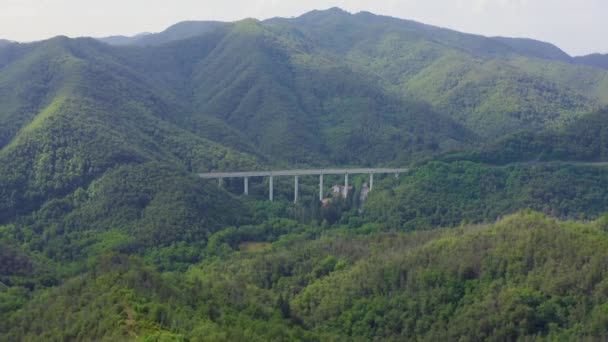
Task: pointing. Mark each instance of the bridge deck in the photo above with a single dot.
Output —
(300, 172)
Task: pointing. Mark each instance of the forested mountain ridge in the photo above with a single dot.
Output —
(470, 42)
(88, 149)
(98, 138)
(216, 91)
(491, 85)
(502, 45)
(464, 75)
(103, 219)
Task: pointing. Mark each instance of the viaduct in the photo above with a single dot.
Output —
(297, 173)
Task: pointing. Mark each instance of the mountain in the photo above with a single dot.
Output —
(326, 88)
(179, 31)
(106, 232)
(245, 75)
(366, 24)
(491, 85)
(4, 42)
(595, 60)
(86, 148)
(98, 139)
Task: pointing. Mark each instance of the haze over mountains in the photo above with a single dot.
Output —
(100, 141)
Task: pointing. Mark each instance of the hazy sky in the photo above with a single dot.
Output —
(577, 26)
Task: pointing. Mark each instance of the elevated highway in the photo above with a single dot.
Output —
(301, 172)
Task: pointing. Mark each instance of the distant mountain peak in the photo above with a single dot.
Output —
(192, 24)
(334, 11)
(60, 38)
(337, 10)
(366, 13)
(179, 31)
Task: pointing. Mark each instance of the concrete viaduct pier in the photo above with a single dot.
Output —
(296, 174)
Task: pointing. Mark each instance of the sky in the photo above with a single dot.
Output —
(577, 26)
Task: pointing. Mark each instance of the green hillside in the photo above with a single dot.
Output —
(91, 152)
(100, 144)
(107, 233)
(471, 78)
(583, 141)
(525, 277)
(491, 85)
(306, 108)
(447, 194)
(316, 107)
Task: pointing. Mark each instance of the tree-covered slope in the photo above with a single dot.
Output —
(525, 277)
(491, 85)
(472, 78)
(583, 141)
(310, 108)
(330, 83)
(260, 89)
(107, 233)
(100, 145)
(90, 149)
(446, 194)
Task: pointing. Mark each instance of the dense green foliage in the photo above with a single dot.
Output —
(491, 85)
(446, 194)
(585, 140)
(526, 276)
(106, 232)
(325, 88)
